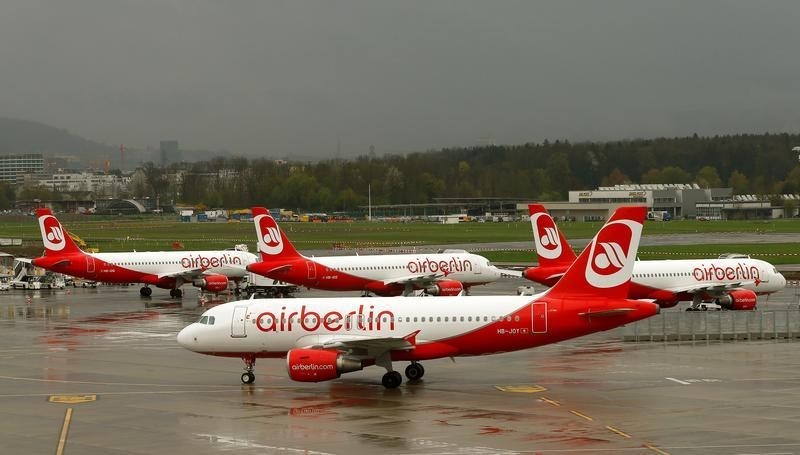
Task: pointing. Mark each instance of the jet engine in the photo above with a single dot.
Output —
(445, 288)
(212, 283)
(741, 299)
(315, 365)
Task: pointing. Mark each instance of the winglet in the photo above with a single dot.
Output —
(412, 337)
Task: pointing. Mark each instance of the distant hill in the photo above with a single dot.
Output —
(24, 136)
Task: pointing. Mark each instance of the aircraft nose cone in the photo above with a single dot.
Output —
(187, 337)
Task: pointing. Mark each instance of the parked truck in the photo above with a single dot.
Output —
(263, 287)
(659, 215)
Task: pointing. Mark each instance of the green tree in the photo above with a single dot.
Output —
(739, 183)
(6, 196)
(616, 177)
(674, 174)
(560, 173)
(707, 177)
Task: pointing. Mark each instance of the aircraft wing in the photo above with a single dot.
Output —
(359, 345)
(511, 272)
(419, 279)
(711, 288)
(186, 274)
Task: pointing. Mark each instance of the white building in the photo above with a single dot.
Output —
(13, 168)
(86, 181)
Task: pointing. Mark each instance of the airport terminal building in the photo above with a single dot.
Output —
(679, 200)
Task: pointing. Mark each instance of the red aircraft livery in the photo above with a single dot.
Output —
(449, 273)
(322, 338)
(208, 270)
(733, 283)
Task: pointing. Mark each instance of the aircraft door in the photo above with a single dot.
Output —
(539, 317)
(238, 329)
(89, 263)
(312, 270)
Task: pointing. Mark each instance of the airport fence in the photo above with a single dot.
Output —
(716, 325)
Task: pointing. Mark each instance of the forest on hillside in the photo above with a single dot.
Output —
(751, 164)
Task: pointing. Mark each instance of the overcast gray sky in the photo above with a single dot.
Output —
(292, 78)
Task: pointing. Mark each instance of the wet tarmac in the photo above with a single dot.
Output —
(98, 371)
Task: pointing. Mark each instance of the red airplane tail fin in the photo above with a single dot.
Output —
(272, 242)
(551, 245)
(57, 241)
(604, 268)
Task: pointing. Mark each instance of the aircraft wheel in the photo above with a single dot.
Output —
(145, 291)
(392, 380)
(248, 378)
(415, 371)
(178, 293)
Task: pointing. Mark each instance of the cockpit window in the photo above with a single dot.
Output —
(203, 320)
(211, 320)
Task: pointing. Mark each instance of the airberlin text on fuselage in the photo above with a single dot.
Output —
(333, 321)
(199, 261)
(714, 272)
(428, 266)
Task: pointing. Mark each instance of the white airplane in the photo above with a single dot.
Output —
(445, 274)
(733, 283)
(207, 270)
(322, 338)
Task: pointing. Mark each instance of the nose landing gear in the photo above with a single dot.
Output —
(249, 364)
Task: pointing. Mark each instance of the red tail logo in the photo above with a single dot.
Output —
(548, 242)
(269, 236)
(52, 233)
(611, 255)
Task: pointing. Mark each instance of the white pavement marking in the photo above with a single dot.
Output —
(679, 381)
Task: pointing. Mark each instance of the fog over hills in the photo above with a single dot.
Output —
(24, 136)
(319, 79)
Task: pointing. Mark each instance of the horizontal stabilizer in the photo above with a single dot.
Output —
(605, 313)
(279, 268)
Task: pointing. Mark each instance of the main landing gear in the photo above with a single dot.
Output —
(175, 293)
(249, 364)
(145, 291)
(415, 371)
(392, 379)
